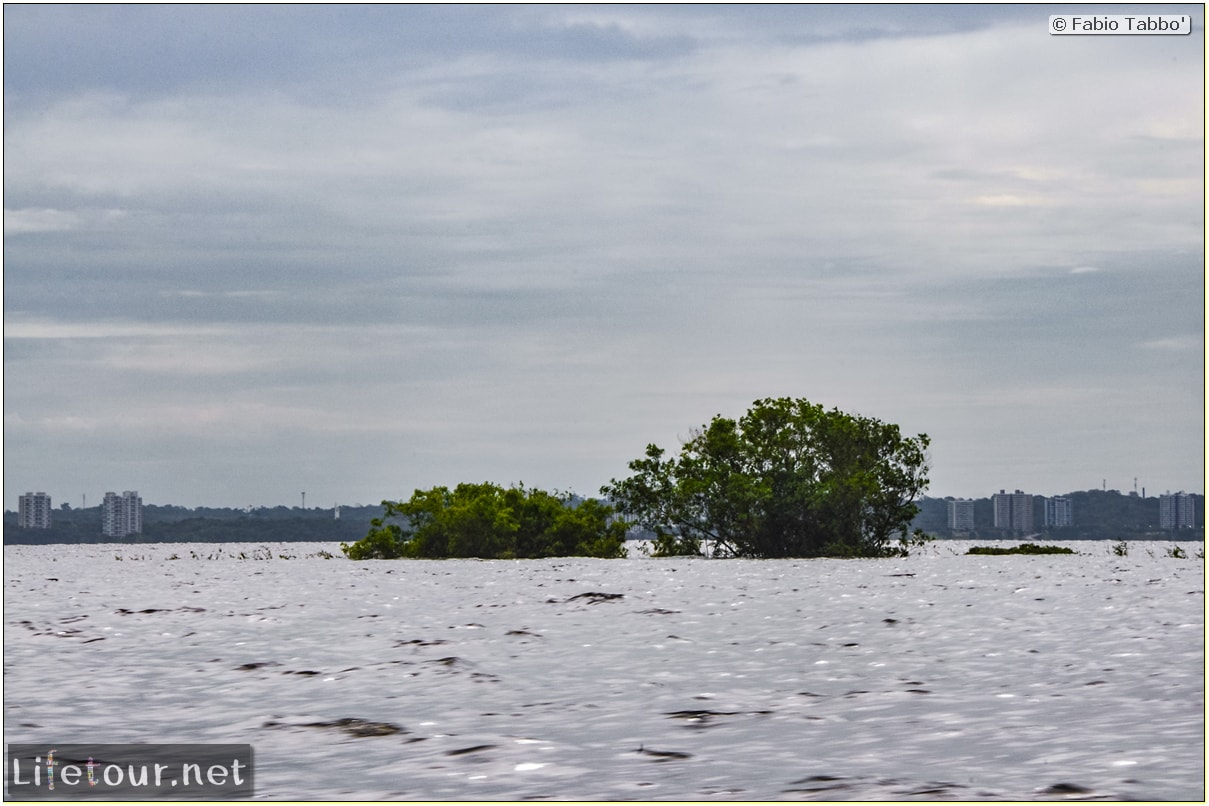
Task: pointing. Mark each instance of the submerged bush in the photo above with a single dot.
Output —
(788, 479)
(489, 522)
(1023, 548)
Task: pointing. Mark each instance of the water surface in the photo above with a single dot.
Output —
(938, 676)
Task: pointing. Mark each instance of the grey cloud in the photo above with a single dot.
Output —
(156, 50)
(524, 242)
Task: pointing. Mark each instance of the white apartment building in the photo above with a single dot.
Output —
(1058, 512)
(1177, 511)
(33, 511)
(961, 515)
(122, 515)
(1013, 511)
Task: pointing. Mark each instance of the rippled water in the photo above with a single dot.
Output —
(939, 676)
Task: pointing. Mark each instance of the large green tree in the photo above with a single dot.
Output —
(788, 479)
(488, 521)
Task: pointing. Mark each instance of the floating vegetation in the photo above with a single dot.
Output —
(1066, 789)
(421, 642)
(478, 748)
(1023, 548)
(816, 784)
(697, 718)
(262, 553)
(662, 756)
(249, 667)
(353, 726)
(594, 597)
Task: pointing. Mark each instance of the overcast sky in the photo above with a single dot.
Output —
(252, 251)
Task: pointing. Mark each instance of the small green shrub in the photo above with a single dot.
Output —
(1023, 548)
(1121, 549)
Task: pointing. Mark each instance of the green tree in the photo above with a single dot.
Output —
(788, 479)
(488, 521)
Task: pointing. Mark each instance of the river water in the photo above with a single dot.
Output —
(940, 676)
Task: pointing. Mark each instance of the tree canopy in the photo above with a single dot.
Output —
(788, 479)
(488, 521)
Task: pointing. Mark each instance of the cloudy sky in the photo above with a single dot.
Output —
(252, 251)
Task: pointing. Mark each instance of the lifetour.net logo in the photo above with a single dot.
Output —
(125, 772)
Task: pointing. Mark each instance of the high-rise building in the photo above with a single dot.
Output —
(961, 515)
(122, 515)
(33, 511)
(1058, 512)
(1177, 511)
(1001, 504)
(1013, 511)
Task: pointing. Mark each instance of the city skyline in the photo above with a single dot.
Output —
(255, 250)
(299, 501)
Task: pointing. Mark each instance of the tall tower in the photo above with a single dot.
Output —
(1002, 503)
(1177, 511)
(1013, 511)
(1058, 512)
(961, 515)
(33, 511)
(122, 515)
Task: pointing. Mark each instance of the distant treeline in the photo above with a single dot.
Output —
(174, 524)
(1096, 515)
